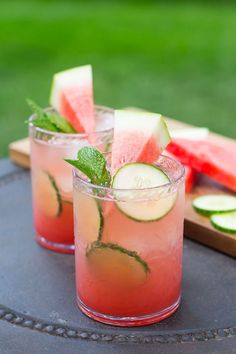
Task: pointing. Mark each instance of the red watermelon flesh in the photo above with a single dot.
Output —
(134, 147)
(72, 96)
(138, 137)
(190, 174)
(216, 160)
(78, 109)
(190, 178)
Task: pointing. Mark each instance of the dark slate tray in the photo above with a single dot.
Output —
(38, 312)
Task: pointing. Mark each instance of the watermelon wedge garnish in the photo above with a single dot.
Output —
(215, 159)
(72, 97)
(138, 137)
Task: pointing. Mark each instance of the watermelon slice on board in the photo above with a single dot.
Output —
(215, 159)
(190, 178)
(191, 174)
(138, 137)
(72, 96)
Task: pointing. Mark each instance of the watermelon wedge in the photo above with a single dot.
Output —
(72, 96)
(192, 133)
(138, 137)
(215, 159)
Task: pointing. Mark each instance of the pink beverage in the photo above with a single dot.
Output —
(128, 247)
(52, 179)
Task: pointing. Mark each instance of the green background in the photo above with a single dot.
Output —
(177, 58)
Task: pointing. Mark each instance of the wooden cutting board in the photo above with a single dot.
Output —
(19, 152)
(197, 227)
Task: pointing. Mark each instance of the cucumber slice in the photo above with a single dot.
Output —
(214, 203)
(225, 222)
(116, 265)
(90, 217)
(139, 175)
(47, 194)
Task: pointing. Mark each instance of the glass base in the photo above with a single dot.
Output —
(129, 321)
(54, 246)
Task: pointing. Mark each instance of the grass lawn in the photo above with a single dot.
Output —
(177, 59)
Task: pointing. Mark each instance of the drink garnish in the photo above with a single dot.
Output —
(47, 193)
(48, 120)
(89, 208)
(72, 97)
(138, 137)
(117, 265)
(144, 178)
(92, 163)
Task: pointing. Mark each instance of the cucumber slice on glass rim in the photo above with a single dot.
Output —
(114, 264)
(225, 222)
(139, 175)
(47, 194)
(214, 204)
(89, 212)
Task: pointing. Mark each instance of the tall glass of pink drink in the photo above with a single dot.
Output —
(128, 269)
(52, 178)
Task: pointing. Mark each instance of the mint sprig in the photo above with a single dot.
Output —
(44, 123)
(49, 120)
(62, 125)
(92, 163)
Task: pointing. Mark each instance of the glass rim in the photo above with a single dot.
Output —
(111, 189)
(70, 135)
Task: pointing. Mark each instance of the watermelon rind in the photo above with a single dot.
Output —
(67, 78)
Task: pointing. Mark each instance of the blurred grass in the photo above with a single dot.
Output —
(174, 58)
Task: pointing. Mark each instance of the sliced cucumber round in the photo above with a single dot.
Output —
(214, 203)
(116, 265)
(225, 222)
(90, 219)
(46, 194)
(149, 205)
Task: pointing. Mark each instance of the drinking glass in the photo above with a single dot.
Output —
(52, 178)
(128, 271)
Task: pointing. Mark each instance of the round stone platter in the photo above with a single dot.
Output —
(37, 294)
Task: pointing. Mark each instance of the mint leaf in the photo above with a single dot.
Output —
(44, 123)
(49, 120)
(93, 164)
(62, 125)
(36, 109)
(41, 119)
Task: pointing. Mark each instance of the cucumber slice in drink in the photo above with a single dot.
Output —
(116, 265)
(47, 194)
(214, 203)
(147, 205)
(225, 222)
(90, 217)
